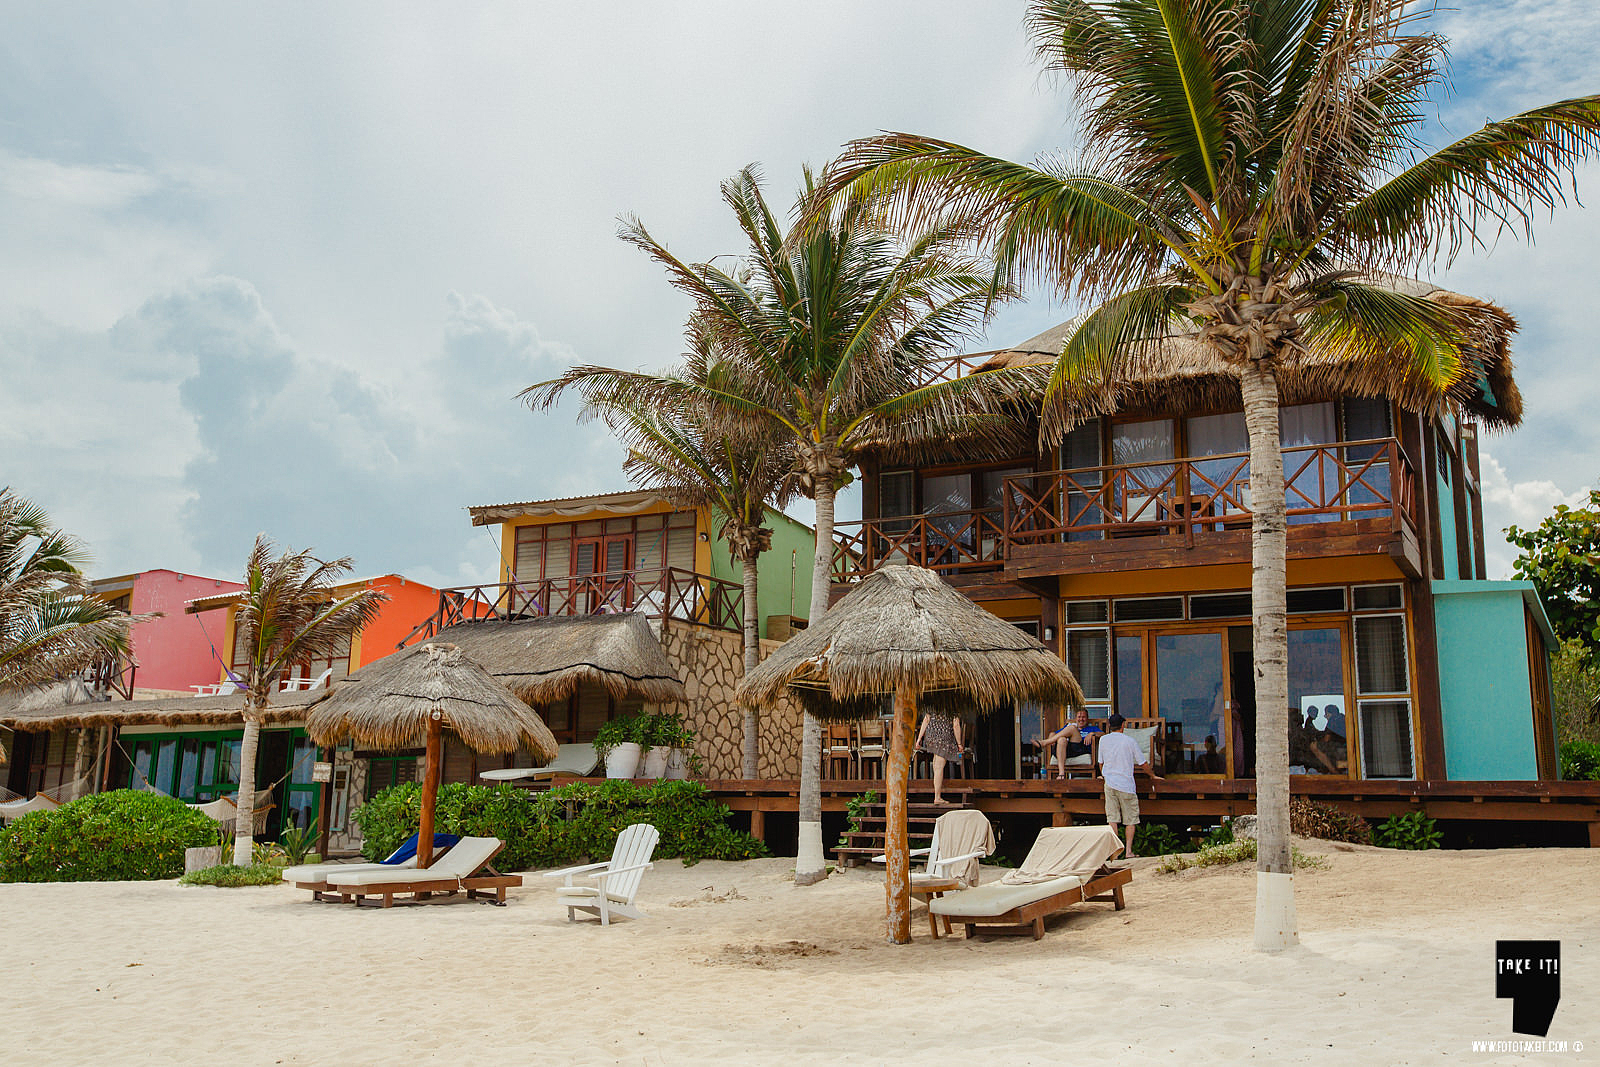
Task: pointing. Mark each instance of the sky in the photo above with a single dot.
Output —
(283, 268)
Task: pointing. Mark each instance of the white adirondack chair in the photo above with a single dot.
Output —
(616, 881)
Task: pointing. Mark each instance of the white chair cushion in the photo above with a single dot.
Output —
(319, 872)
(1141, 737)
(1080, 761)
(997, 898)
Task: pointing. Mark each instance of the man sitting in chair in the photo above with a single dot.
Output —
(1069, 741)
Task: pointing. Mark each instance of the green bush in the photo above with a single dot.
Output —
(228, 876)
(1231, 852)
(1155, 839)
(126, 835)
(564, 826)
(1413, 830)
(1580, 761)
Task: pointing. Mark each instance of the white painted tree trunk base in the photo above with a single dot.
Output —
(810, 865)
(1276, 929)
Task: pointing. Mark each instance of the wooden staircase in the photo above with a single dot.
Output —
(859, 846)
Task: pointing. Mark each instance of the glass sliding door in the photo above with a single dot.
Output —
(1190, 676)
(1318, 730)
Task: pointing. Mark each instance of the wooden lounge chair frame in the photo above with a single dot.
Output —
(1105, 885)
(491, 883)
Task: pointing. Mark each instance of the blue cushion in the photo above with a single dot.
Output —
(408, 849)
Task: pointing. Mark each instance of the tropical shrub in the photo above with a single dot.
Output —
(564, 826)
(1413, 830)
(1308, 818)
(1580, 761)
(854, 809)
(1231, 852)
(125, 835)
(1155, 839)
(229, 876)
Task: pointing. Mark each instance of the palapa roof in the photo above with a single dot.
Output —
(1182, 373)
(903, 626)
(388, 704)
(26, 710)
(548, 659)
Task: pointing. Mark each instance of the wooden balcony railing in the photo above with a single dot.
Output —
(1190, 498)
(946, 541)
(1346, 481)
(668, 593)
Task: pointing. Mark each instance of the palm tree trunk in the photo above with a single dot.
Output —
(810, 866)
(245, 803)
(78, 760)
(1275, 917)
(752, 656)
(897, 858)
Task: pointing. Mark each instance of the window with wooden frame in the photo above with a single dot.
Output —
(643, 543)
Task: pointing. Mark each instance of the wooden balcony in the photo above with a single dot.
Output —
(668, 593)
(1348, 498)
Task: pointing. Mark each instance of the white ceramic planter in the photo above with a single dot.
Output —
(678, 765)
(655, 762)
(623, 761)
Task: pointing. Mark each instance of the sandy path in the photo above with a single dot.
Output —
(735, 963)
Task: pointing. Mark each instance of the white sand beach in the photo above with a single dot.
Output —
(733, 963)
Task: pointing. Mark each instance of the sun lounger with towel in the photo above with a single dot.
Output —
(314, 876)
(464, 867)
(960, 840)
(1066, 866)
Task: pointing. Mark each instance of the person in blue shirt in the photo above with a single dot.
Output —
(1069, 741)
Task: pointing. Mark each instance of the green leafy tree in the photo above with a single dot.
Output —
(287, 614)
(828, 336)
(1248, 171)
(1561, 556)
(51, 626)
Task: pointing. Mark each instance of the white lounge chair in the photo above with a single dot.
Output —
(616, 882)
(314, 876)
(1066, 866)
(579, 761)
(291, 685)
(464, 867)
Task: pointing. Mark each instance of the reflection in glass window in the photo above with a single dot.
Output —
(1130, 676)
(1317, 729)
(1089, 659)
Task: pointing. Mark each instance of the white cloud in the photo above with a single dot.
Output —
(1521, 503)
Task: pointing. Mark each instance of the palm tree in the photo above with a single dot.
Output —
(287, 614)
(830, 337)
(1250, 170)
(51, 626)
(684, 453)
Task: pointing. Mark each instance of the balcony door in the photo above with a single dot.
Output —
(1191, 694)
(604, 564)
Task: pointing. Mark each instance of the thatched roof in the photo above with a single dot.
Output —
(903, 626)
(548, 659)
(26, 712)
(1183, 374)
(387, 705)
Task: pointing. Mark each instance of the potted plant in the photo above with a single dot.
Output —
(655, 736)
(617, 743)
(672, 746)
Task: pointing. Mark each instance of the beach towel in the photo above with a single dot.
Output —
(1060, 851)
(408, 848)
(961, 832)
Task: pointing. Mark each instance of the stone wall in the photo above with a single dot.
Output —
(711, 662)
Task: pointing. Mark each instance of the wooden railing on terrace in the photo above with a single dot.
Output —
(668, 593)
(1349, 480)
(1346, 481)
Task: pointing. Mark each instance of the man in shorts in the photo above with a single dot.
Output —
(1119, 755)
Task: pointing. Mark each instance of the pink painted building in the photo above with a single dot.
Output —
(176, 651)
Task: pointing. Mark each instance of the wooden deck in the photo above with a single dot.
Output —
(1208, 798)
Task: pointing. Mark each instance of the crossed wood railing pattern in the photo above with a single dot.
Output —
(667, 593)
(1189, 498)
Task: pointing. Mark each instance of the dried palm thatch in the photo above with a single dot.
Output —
(25, 711)
(549, 659)
(388, 705)
(904, 627)
(1181, 373)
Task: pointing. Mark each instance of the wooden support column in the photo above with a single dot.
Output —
(1430, 710)
(758, 824)
(1594, 835)
(80, 760)
(430, 792)
(897, 859)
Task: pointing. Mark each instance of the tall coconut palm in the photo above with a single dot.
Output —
(830, 337)
(696, 461)
(51, 626)
(287, 614)
(1248, 170)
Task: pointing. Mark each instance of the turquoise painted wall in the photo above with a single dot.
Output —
(1484, 691)
(786, 566)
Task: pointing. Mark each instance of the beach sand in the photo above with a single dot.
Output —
(734, 963)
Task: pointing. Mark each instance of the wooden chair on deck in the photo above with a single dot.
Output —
(871, 747)
(839, 750)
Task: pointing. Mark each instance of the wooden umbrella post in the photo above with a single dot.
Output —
(430, 792)
(897, 859)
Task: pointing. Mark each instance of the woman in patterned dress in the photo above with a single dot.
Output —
(940, 737)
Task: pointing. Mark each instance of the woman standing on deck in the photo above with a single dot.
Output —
(941, 738)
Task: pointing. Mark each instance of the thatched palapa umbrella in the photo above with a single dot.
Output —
(904, 631)
(411, 697)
